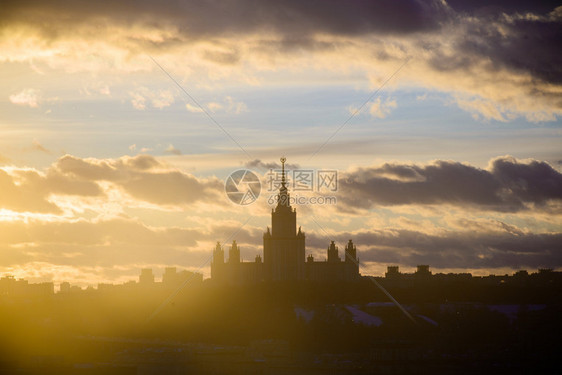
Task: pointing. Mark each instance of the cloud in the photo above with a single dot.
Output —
(172, 150)
(144, 178)
(507, 185)
(117, 231)
(485, 108)
(164, 98)
(138, 101)
(18, 197)
(234, 106)
(98, 87)
(141, 178)
(38, 249)
(380, 109)
(468, 242)
(26, 97)
(500, 56)
(193, 109)
(104, 90)
(229, 105)
(266, 166)
(497, 7)
(222, 57)
(214, 106)
(512, 188)
(158, 99)
(480, 249)
(25, 190)
(240, 17)
(4, 159)
(39, 147)
(519, 41)
(102, 246)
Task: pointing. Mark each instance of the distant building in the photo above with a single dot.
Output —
(423, 270)
(9, 286)
(392, 272)
(284, 253)
(104, 287)
(394, 275)
(172, 278)
(334, 269)
(64, 287)
(146, 277)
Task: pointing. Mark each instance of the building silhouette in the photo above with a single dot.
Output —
(284, 253)
(146, 277)
(9, 286)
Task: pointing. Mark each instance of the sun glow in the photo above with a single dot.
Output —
(9, 215)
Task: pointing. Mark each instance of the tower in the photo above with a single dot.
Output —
(350, 252)
(351, 261)
(217, 265)
(283, 247)
(234, 253)
(333, 256)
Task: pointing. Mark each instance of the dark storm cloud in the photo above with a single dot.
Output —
(211, 18)
(486, 7)
(509, 185)
(144, 178)
(521, 42)
(467, 249)
(523, 36)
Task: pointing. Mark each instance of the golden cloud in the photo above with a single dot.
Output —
(498, 66)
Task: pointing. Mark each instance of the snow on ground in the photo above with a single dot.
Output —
(364, 318)
(304, 314)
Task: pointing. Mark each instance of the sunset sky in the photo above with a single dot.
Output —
(120, 121)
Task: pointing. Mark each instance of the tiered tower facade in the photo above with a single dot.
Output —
(283, 246)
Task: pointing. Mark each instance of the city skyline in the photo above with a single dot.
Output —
(120, 125)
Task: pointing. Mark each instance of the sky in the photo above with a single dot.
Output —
(121, 121)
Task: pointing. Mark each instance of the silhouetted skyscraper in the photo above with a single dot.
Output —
(284, 253)
(283, 247)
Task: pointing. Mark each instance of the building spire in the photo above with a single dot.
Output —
(283, 159)
(283, 197)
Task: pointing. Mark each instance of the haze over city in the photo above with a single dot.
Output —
(120, 123)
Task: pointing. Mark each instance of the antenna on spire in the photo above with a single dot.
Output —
(283, 160)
